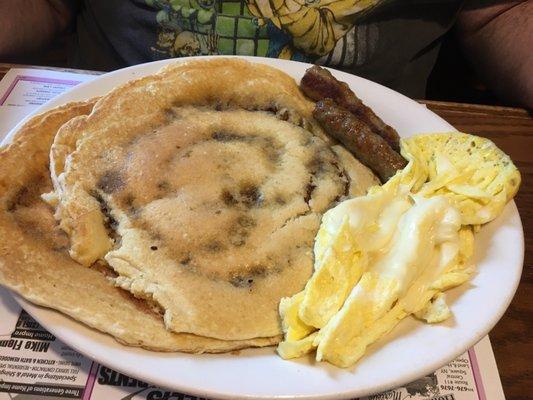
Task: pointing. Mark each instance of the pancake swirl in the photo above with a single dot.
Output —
(34, 260)
(202, 187)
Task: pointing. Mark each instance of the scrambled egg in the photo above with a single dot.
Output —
(471, 171)
(392, 253)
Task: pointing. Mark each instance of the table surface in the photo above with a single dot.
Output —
(512, 130)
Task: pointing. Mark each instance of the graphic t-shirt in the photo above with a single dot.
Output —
(394, 42)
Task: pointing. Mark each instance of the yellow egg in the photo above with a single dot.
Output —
(435, 310)
(462, 270)
(346, 354)
(425, 245)
(298, 348)
(293, 327)
(414, 175)
(393, 252)
(336, 272)
(366, 222)
(468, 169)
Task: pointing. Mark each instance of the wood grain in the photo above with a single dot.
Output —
(512, 130)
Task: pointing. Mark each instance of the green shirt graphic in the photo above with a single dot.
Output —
(393, 42)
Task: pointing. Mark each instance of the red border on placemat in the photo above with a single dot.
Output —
(477, 374)
(28, 78)
(89, 385)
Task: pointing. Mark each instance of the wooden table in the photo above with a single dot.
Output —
(512, 130)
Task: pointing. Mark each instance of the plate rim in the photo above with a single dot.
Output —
(33, 308)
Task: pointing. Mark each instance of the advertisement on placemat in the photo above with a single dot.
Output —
(33, 362)
(453, 382)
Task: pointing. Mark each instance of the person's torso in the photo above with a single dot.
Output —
(394, 42)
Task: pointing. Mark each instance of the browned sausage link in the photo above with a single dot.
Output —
(318, 84)
(371, 149)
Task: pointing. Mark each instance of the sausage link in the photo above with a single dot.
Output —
(318, 84)
(370, 148)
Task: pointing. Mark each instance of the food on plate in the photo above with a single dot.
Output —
(211, 218)
(34, 253)
(191, 197)
(258, 199)
(470, 170)
(392, 253)
(212, 206)
(371, 149)
(319, 84)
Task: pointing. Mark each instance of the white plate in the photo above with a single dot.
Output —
(412, 350)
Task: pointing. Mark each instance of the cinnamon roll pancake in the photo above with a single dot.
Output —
(34, 259)
(202, 187)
